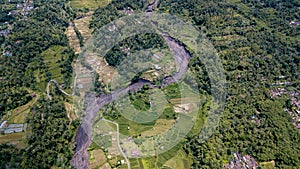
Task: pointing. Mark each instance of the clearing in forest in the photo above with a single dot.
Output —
(90, 4)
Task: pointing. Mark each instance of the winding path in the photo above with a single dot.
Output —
(118, 139)
(61, 90)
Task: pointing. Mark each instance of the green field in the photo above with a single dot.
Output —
(135, 128)
(19, 114)
(90, 4)
(179, 161)
(17, 139)
(104, 141)
(137, 163)
(159, 160)
(267, 165)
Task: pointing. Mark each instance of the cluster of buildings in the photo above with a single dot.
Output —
(5, 32)
(7, 54)
(5, 29)
(12, 128)
(278, 92)
(294, 112)
(242, 162)
(23, 8)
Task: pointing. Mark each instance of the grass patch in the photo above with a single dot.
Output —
(19, 114)
(16, 139)
(90, 4)
(267, 165)
(179, 161)
(104, 140)
(94, 146)
(200, 120)
(134, 163)
(135, 128)
(140, 163)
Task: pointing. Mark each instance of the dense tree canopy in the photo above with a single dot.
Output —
(24, 66)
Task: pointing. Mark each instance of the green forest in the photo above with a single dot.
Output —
(258, 46)
(33, 40)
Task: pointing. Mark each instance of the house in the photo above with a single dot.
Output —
(295, 23)
(157, 67)
(7, 54)
(13, 13)
(112, 28)
(12, 130)
(15, 128)
(128, 11)
(28, 8)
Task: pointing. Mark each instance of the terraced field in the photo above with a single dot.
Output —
(82, 24)
(73, 39)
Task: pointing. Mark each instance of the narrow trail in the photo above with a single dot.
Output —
(61, 90)
(118, 139)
